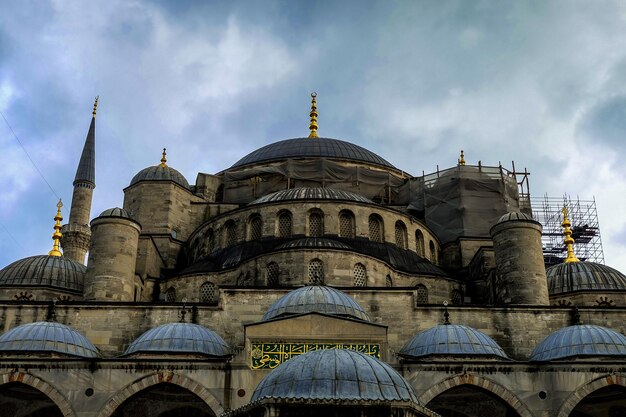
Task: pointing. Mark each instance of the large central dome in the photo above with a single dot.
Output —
(309, 148)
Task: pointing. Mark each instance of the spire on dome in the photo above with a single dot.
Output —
(569, 241)
(313, 115)
(462, 158)
(56, 236)
(86, 171)
(164, 159)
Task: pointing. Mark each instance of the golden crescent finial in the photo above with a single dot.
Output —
(569, 241)
(95, 106)
(56, 236)
(164, 158)
(313, 116)
(462, 158)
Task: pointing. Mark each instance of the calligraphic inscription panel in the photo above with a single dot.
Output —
(270, 355)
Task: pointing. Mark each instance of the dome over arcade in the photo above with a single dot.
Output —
(335, 374)
(580, 340)
(47, 336)
(299, 148)
(44, 271)
(180, 338)
(160, 172)
(452, 339)
(316, 299)
(311, 193)
(584, 276)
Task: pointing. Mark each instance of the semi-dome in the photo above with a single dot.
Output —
(116, 212)
(47, 336)
(334, 374)
(180, 338)
(452, 339)
(160, 173)
(314, 242)
(584, 276)
(311, 193)
(44, 271)
(318, 299)
(580, 340)
(311, 148)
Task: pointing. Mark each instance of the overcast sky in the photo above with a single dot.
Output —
(541, 83)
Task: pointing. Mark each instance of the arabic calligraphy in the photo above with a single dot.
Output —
(270, 355)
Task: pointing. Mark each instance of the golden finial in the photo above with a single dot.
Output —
(95, 106)
(163, 159)
(569, 241)
(313, 115)
(462, 158)
(56, 236)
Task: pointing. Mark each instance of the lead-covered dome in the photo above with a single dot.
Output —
(452, 339)
(46, 336)
(116, 212)
(311, 148)
(584, 276)
(316, 299)
(180, 338)
(580, 340)
(334, 374)
(44, 271)
(311, 193)
(160, 173)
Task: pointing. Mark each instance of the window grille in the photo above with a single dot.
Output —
(231, 234)
(456, 297)
(170, 295)
(346, 225)
(272, 274)
(419, 243)
(421, 294)
(316, 272)
(433, 252)
(211, 240)
(400, 235)
(360, 275)
(256, 228)
(388, 281)
(375, 229)
(209, 293)
(284, 225)
(316, 226)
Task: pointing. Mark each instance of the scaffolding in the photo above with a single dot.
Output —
(585, 228)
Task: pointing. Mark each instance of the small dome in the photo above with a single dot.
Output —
(584, 276)
(160, 173)
(334, 374)
(580, 340)
(318, 299)
(311, 148)
(44, 271)
(452, 339)
(313, 242)
(515, 216)
(180, 338)
(46, 336)
(311, 193)
(116, 212)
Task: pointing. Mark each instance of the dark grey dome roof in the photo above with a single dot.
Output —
(311, 193)
(452, 339)
(583, 276)
(160, 173)
(116, 212)
(580, 340)
(335, 374)
(314, 242)
(513, 216)
(44, 270)
(311, 148)
(180, 338)
(45, 336)
(318, 299)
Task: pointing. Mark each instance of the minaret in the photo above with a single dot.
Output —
(76, 233)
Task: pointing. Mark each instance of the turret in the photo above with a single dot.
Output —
(76, 233)
(520, 271)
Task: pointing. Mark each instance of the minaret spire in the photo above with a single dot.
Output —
(569, 241)
(313, 115)
(56, 236)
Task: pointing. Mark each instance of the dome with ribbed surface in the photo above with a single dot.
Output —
(47, 336)
(44, 271)
(116, 212)
(318, 299)
(452, 339)
(160, 173)
(180, 338)
(311, 193)
(300, 148)
(580, 340)
(335, 374)
(584, 276)
(515, 216)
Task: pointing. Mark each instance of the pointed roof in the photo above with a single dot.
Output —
(86, 171)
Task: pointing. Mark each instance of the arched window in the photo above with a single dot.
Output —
(360, 275)
(284, 224)
(346, 224)
(316, 224)
(400, 234)
(433, 252)
(170, 295)
(456, 297)
(388, 281)
(210, 238)
(273, 273)
(419, 243)
(421, 294)
(316, 272)
(255, 225)
(209, 293)
(376, 228)
(230, 233)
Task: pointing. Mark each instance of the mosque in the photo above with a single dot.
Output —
(310, 277)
